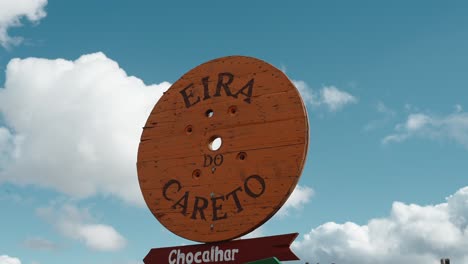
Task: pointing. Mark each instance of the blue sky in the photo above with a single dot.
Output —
(385, 85)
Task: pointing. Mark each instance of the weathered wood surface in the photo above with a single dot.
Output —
(206, 195)
(262, 250)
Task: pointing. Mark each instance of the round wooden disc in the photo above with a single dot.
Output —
(206, 192)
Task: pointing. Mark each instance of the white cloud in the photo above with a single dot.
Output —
(336, 99)
(386, 115)
(329, 96)
(417, 121)
(5, 259)
(75, 125)
(259, 232)
(79, 224)
(308, 95)
(382, 108)
(11, 14)
(6, 146)
(453, 127)
(101, 237)
(410, 234)
(40, 244)
(299, 197)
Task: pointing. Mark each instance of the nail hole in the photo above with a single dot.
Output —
(241, 156)
(215, 143)
(232, 110)
(196, 174)
(189, 129)
(213, 169)
(209, 113)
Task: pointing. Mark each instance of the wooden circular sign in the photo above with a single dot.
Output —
(223, 149)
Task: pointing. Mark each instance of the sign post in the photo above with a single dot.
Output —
(220, 154)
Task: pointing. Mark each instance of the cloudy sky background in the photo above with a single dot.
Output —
(385, 84)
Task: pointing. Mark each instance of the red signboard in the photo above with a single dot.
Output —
(235, 251)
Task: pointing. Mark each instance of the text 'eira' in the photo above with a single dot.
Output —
(192, 94)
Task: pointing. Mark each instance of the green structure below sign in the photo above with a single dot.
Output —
(266, 261)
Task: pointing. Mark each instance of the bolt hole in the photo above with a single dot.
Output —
(209, 113)
(196, 174)
(232, 110)
(241, 156)
(215, 143)
(189, 130)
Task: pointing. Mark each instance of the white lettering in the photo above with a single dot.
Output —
(197, 257)
(213, 255)
(189, 258)
(227, 255)
(171, 260)
(218, 253)
(234, 251)
(206, 256)
(180, 256)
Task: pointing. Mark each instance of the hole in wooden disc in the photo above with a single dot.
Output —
(196, 174)
(189, 129)
(232, 110)
(241, 156)
(209, 113)
(215, 143)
